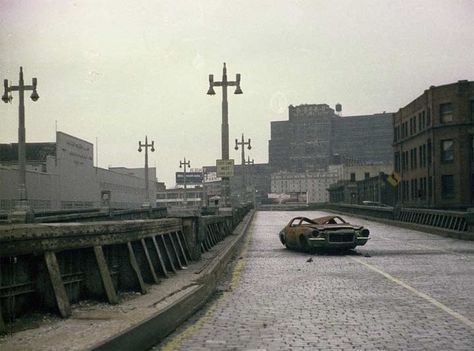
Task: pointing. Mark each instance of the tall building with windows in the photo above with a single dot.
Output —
(314, 137)
(434, 148)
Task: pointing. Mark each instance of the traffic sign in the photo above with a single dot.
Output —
(394, 178)
(225, 168)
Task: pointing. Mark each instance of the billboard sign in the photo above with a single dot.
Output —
(225, 168)
(74, 149)
(192, 178)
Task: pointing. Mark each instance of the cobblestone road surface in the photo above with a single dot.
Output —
(404, 290)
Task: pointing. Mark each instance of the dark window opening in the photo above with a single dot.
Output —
(429, 151)
(471, 109)
(447, 150)
(447, 186)
(446, 112)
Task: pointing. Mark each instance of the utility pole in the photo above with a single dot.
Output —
(152, 149)
(248, 163)
(242, 144)
(22, 211)
(225, 122)
(185, 164)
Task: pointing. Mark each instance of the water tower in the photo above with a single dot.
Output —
(339, 109)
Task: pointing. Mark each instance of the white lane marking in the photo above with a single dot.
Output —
(428, 298)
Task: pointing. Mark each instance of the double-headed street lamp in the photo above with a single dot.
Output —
(21, 208)
(152, 149)
(225, 122)
(248, 163)
(185, 164)
(243, 143)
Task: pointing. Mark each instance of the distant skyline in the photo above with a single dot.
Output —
(120, 70)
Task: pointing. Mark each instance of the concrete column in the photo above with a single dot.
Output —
(105, 275)
(191, 235)
(60, 295)
(136, 268)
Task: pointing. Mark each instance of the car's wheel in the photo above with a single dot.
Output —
(304, 244)
(282, 237)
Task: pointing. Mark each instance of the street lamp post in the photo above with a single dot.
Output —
(225, 122)
(152, 149)
(242, 144)
(185, 164)
(22, 210)
(252, 184)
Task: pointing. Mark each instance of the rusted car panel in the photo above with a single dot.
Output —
(323, 232)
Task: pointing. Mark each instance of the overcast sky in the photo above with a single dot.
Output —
(119, 70)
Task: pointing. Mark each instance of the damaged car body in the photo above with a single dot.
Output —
(330, 232)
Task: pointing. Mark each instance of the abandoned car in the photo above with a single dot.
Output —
(331, 232)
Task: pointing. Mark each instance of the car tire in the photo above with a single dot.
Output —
(282, 237)
(304, 244)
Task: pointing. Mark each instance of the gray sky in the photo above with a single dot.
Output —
(118, 70)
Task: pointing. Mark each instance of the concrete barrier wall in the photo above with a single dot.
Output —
(46, 267)
(454, 224)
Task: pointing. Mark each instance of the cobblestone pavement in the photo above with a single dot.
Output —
(404, 290)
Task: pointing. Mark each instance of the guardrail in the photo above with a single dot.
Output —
(451, 220)
(363, 210)
(452, 223)
(47, 267)
(92, 215)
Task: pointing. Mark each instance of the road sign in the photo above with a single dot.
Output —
(225, 168)
(394, 178)
(192, 178)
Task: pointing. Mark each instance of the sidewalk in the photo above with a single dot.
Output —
(139, 322)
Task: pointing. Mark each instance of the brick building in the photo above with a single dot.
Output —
(434, 148)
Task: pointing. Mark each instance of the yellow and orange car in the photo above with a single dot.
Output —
(330, 232)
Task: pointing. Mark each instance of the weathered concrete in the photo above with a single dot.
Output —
(46, 267)
(140, 322)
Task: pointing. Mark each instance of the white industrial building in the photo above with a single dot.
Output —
(62, 175)
(309, 186)
(312, 186)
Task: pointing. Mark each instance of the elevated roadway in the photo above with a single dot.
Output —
(404, 290)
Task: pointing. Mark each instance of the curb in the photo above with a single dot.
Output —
(154, 329)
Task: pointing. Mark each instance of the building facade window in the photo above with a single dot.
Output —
(397, 161)
(430, 187)
(447, 150)
(447, 186)
(415, 161)
(428, 152)
(425, 163)
(446, 112)
(353, 177)
(420, 151)
(471, 110)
